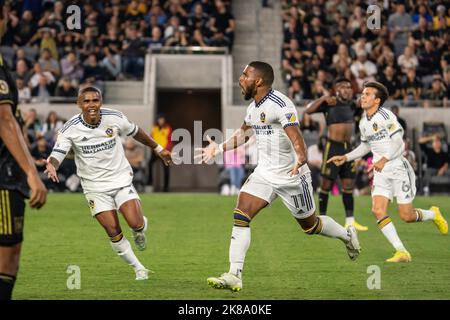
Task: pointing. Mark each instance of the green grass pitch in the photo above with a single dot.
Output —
(188, 241)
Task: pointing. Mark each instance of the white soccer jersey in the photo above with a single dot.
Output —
(99, 154)
(276, 155)
(377, 131)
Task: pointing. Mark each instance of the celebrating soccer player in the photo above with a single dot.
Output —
(106, 176)
(281, 171)
(393, 175)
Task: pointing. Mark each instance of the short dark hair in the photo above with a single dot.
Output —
(382, 92)
(342, 79)
(89, 89)
(265, 70)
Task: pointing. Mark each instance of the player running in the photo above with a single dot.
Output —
(340, 112)
(106, 176)
(281, 171)
(393, 175)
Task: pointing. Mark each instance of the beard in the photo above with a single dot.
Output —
(249, 93)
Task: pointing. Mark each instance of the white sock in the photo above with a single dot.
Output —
(390, 233)
(331, 228)
(424, 215)
(124, 250)
(349, 220)
(240, 242)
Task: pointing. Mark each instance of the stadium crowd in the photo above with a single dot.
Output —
(49, 60)
(409, 53)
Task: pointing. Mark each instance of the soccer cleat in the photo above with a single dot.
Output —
(400, 256)
(357, 226)
(142, 274)
(353, 247)
(226, 281)
(439, 221)
(139, 237)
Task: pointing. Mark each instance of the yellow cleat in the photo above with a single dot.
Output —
(439, 221)
(357, 226)
(400, 256)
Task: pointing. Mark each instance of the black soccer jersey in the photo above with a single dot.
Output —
(342, 112)
(11, 175)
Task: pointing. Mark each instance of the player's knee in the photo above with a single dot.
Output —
(241, 219)
(113, 231)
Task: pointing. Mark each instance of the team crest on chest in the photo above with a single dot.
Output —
(262, 117)
(109, 132)
(375, 127)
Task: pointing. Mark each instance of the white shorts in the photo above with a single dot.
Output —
(111, 200)
(398, 182)
(297, 197)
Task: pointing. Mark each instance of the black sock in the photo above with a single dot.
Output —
(6, 286)
(323, 202)
(347, 198)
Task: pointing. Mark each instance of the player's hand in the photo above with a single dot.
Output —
(51, 171)
(38, 191)
(294, 170)
(379, 165)
(208, 153)
(338, 160)
(331, 101)
(166, 157)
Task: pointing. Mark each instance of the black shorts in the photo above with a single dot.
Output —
(12, 211)
(330, 170)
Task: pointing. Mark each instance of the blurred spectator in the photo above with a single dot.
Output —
(392, 83)
(93, 72)
(25, 29)
(222, 25)
(162, 134)
(156, 40)
(135, 155)
(437, 160)
(407, 60)
(296, 92)
(22, 71)
(396, 110)
(42, 83)
(436, 96)
(363, 69)
(48, 63)
(23, 91)
(32, 125)
(133, 54)
(441, 21)
(40, 152)
(399, 23)
(51, 127)
(412, 89)
(72, 68)
(66, 89)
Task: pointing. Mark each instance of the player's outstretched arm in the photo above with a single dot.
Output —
(294, 134)
(238, 138)
(12, 137)
(313, 106)
(51, 166)
(164, 154)
(359, 152)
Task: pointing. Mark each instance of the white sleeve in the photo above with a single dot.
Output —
(127, 127)
(61, 148)
(359, 152)
(288, 116)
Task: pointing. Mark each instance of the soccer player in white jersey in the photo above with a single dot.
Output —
(393, 175)
(106, 176)
(281, 171)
